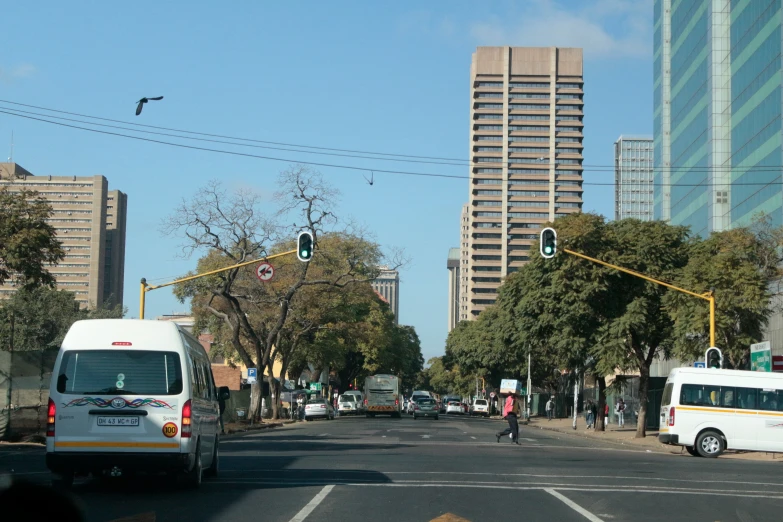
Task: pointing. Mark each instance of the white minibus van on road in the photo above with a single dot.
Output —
(711, 410)
(132, 396)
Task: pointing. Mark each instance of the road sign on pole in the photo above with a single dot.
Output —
(761, 357)
(699, 364)
(252, 375)
(265, 272)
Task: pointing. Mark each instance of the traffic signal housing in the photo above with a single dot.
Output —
(304, 249)
(713, 358)
(548, 243)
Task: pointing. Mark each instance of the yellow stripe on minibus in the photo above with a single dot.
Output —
(105, 444)
(722, 410)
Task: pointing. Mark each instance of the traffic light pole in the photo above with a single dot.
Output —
(147, 288)
(707, 296)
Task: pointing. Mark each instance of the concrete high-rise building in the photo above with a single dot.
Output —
(90, 223)
(388, 285)
(453, 266)
(717, 112)
(526, 150)
(464, 259)
(633, 177)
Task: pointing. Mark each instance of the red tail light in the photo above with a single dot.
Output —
(365, 402)
(671, 416)
(415, 406)
(396, 402)
(187, 414)
(51, 412)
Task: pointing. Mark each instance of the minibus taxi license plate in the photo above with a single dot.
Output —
(118, 421)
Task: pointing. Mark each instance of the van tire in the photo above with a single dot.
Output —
(710, 444)
(692, 451)
(192, 479)
(62, 481)
(214, 468)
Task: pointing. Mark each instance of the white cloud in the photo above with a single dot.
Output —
(603, 28)
(16, 73)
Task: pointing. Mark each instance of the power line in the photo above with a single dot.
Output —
(319, 164)
(411, 158)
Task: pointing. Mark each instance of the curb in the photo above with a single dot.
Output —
(576, 433)
(255, 427)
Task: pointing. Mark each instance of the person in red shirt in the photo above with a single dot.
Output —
(511, 412)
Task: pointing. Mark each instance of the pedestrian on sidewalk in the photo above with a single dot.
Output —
(593, 414)
(606, 413)
(550, 408)
(619, 409)
(511, 412)
(589, 417)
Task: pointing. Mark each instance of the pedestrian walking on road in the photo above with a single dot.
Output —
(511, 411)
(550, 408)
(619, 409)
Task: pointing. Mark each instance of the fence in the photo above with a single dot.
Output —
(24, 392)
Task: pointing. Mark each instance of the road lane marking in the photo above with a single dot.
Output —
(449, 517)
(573, 505)
(474, 438)
(305, 511)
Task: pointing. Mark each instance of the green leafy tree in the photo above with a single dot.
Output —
(28, 244)
(735, 264)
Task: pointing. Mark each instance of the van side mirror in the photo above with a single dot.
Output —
(223, 393)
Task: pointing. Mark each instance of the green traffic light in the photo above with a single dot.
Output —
(305, 253)
(548, 249)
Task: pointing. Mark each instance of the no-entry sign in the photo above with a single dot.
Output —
(265, 271)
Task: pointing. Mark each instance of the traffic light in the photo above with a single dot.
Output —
(305, 250)
(713, 358)
(548, 243)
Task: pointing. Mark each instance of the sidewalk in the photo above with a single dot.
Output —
(626, 436)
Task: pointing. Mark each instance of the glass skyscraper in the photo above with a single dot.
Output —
(633, 178)
(717, 119)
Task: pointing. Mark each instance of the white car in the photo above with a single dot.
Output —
(132, 395)
(318, 409)
(480, 407)
(349, 404)
(454, 407)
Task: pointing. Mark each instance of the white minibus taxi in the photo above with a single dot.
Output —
(132, 396)
(710, 410)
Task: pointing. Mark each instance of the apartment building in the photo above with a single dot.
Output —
(452, 264)
(387, 284)
(633, 178)
(90, 222)
(526, 134)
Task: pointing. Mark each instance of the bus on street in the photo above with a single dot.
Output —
(382, 395)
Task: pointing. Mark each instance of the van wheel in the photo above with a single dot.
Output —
(213, 469)
(192, 478)
(710, 444)
(62, 480)
(692, 451)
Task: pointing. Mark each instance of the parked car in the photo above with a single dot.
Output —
(318, 408)
(480, 407)
(349, 404)
(454, 407)
(425, 408)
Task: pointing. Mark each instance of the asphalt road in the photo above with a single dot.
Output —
(383, 469)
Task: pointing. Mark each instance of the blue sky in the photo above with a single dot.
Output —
(375, 76)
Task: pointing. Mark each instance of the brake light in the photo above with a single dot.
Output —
(396, 402)
(187, 413)
(121, 343)
(671, 416)
(365, 402)
(416, 407)
(323, 406)
(51, 412)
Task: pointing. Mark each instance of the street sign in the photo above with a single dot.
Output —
(315, 386)
(699, 364)
(492, 395)
(252, 375)
(777, 363)
(761, 357)
(265, 271)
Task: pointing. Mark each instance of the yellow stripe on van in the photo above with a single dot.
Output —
(106, 444)
(663, 430)
(723, 410)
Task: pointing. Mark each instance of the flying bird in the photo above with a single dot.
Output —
(142, 101)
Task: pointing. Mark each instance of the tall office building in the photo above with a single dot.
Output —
(90, 223)
(452, 264)
(388, 285)
(526, 149)
(633, 178)
(464, 258)
(717, 119)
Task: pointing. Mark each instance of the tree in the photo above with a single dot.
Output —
(38, 318)
(233, 229)
(735, 264)
(27, 242)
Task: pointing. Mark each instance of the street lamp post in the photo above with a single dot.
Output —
(576, 394)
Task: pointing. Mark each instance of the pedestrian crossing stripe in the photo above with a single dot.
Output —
(449, 517)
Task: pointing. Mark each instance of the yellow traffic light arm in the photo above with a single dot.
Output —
(707, 296)
(146, 288)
